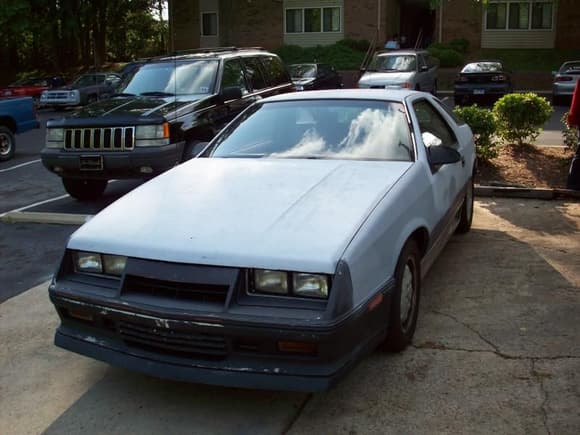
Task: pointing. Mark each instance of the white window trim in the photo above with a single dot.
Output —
(322, 32)
(217, 16)
(507, 21)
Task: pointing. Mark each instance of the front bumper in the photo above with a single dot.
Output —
(563, 88)
(473, 91)
(225, 349)
(60, 99)
(115, 164)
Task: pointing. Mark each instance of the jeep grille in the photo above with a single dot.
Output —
(104, 139)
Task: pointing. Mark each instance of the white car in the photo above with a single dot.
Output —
(291, 247)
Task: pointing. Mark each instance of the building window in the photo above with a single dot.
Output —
(209, 24)
(313, 20)
(519, 15)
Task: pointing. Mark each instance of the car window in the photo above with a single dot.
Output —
(86, 80)
(337, 129)
(174, 78)
(254, 73)
(303, 70)
(394, 62)
(570, 68)
(432, 123)
(450, 112)
(275, 70)
(233, 75)
(422, 61)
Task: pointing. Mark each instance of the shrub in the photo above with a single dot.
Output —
(570, 134)
(460, 45)
(520, 117)
(355, 44)
(447, 56)
(340, 55)
(482, 125)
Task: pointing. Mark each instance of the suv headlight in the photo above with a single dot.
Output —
(55, 137)
(152, 135)
(282, 283)
(94, 263)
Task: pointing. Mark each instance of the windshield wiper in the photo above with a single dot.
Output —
(123, 94)
(157, 94)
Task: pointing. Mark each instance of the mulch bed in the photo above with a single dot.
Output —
(526, 166)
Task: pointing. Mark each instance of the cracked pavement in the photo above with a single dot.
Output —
(497, 350)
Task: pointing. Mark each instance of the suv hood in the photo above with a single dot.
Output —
(284, 214)
(382, 78)
(136, 106)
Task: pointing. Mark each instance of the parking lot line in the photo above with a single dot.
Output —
(26, 207)
(11, 168)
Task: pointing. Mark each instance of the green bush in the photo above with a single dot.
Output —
(341, 55)
(447, 56)
(570, 134)
(355, 44)
(460, 45)
(520, 117)
(482, 124)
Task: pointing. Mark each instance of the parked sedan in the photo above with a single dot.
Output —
(86, 89)
(483, 81)
(292, 247)
(31, 87)
(403, 69)
(565, 80)
(314, 76)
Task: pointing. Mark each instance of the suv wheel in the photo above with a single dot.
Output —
(7, 144)
(84, 190)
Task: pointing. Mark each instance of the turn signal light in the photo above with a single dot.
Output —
(563, 79)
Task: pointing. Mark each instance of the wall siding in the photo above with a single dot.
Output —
(517, 39)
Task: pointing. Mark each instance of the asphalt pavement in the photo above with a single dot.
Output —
(496, 351)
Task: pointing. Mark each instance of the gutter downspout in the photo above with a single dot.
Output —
(440, 37)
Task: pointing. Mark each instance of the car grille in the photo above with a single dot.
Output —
(57, 95)
(210, 293)
(104, 139)
(172, 341)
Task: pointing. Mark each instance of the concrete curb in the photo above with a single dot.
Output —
(45, 218)
(525, 192)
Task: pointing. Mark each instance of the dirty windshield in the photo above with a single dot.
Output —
(394, 62)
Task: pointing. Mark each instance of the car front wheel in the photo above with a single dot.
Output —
(405, 302)
(84, 190)
(7, 144)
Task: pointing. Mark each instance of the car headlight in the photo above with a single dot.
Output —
(278, 282)
(310, 285)
(73, 94)
(152, 135)
(271, 281)
(92, 262)
(55, 137)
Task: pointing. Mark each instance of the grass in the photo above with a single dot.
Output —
(536, 59)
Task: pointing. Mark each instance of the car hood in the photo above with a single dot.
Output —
(385, 78)
(135, 106)
(266, 213)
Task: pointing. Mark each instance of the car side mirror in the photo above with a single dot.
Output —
(442, 155)
(231, 93)
(424, 68)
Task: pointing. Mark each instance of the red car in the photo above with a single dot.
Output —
(31, 87)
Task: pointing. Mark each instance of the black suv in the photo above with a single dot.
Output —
(162, 115)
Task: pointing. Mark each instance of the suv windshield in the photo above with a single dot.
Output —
(173, 78)
(394, 62)
(321, 129)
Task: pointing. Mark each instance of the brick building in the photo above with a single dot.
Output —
(271, 23)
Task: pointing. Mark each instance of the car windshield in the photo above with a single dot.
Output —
(302, 71)
(173, 78)
(394, 62)
(570, 68)
(482, 67)
(319, 129)
(88, 80)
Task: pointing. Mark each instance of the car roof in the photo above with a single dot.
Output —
(397, 95)
(210, 54)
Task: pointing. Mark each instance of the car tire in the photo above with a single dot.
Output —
(7, 144)
(405, 300)
(466, 213)
(84, 190)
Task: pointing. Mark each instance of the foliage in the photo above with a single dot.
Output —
(48, 35)
(355, 44)
(482, 124)
(448, 57)
(340, 55)
(528, 59)
(461, 45)
(570, 134)
(520, 117)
